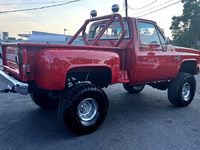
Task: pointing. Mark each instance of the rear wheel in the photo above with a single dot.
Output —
(83, 108)
(42, 98)
(182, 89)
(133, 88)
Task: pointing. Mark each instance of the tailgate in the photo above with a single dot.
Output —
(12, 60)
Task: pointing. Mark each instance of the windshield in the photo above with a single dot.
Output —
(114, 31)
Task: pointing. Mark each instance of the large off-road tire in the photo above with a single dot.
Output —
(182, 89)
(133, 88)
(41, 98)
(83, 108)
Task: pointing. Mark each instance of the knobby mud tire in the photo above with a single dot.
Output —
(182, 89)
(69, 103)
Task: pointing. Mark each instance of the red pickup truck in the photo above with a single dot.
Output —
(126, 50)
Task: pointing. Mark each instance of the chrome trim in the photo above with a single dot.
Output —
(14, 84)
(178, 58)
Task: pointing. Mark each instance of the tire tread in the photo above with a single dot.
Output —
(175, 87)
(68, 102)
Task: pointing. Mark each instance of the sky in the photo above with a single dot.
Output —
(71, 16)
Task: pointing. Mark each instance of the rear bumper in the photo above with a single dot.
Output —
(14, 84)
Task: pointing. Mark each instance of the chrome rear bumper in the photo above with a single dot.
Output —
(14, 84)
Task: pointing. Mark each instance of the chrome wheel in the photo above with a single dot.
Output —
(87, 109)
(186, 90)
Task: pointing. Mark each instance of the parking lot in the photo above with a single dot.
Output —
(145, 121)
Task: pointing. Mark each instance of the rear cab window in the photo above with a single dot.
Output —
(113, 32)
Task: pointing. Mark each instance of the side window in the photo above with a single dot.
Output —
(148, 33)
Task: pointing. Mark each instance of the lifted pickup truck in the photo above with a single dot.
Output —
(126, 50)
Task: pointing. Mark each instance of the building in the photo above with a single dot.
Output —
(5, 35)
(42, 37)
(51, 38)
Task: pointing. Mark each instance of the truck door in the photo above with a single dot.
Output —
(155, 63)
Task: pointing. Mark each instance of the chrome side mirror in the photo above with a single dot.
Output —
(164, 48)
(164, 45)
(167, 41)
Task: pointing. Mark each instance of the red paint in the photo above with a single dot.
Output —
(56, 63)
(50, 63)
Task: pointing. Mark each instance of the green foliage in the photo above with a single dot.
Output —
(186, 28)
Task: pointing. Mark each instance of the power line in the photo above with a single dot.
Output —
(161, 8)
(133, 10)
(144, 6)
(39, 7)
(31, 3)
(155, 7)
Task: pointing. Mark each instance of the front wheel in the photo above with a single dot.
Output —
(182, 89)
(83, 108)
(133, 88)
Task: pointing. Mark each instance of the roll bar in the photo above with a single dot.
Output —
(111, 17)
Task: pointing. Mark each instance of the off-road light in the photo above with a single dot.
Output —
(115, 8)
(93, 13)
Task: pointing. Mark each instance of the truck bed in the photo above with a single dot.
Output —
(27, 52)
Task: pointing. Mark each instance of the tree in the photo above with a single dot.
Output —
(186, 28)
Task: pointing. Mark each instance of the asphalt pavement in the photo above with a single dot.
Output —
(144, 121)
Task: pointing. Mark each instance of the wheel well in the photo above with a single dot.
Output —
(188, 67)
(100, 76)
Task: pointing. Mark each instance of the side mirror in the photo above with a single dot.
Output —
(164, 45)
(167, 41)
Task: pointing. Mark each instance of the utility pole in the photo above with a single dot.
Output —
(126, 8)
